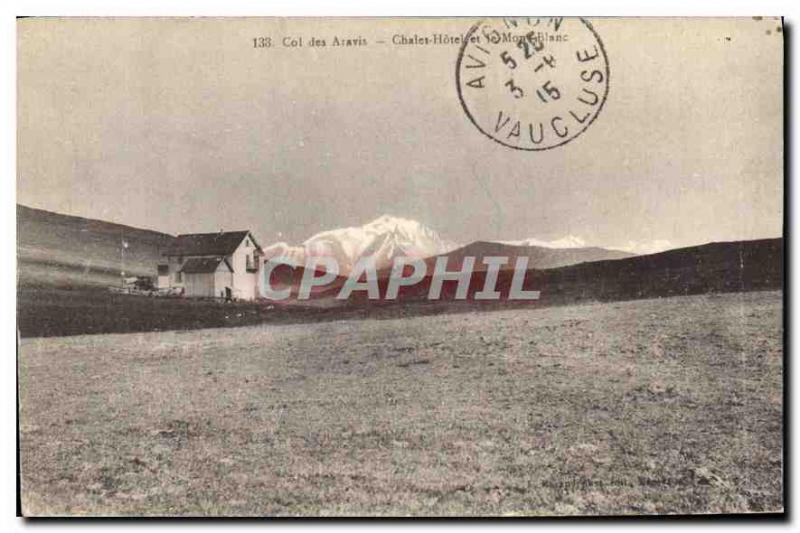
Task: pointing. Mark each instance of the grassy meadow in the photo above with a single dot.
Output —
(667, 405)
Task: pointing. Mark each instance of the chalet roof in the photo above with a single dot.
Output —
(220, 243)
(204, 265)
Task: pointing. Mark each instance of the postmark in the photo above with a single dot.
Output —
(532, 83)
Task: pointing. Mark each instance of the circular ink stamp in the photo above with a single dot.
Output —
(532, 83)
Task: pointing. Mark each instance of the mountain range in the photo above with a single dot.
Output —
(539, 257)
(570, 241)
(67, 251)
(388, 237)
(59, 255)
(383, 239)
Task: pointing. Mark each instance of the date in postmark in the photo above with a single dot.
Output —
(532, 83)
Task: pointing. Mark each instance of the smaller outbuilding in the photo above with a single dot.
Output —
(208, 277)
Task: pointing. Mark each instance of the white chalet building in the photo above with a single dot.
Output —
(213, 265)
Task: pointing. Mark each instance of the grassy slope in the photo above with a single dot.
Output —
(651, 406)
(66, 251)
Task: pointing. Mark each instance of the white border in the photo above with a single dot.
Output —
(787, 8)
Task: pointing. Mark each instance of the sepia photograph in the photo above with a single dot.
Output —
(400, 267)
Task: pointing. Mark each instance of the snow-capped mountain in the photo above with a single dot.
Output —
(570, 241)
(573, 242)
(383, 239)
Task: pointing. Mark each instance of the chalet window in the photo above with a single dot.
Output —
(251, 263)
(179, 277)
(163, 270)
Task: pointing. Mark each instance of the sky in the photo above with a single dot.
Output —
(184, 126)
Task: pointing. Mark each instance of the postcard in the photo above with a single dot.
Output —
(400, 267)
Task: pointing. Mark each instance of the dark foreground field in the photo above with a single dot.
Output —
(59, 311)
(651, 406)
